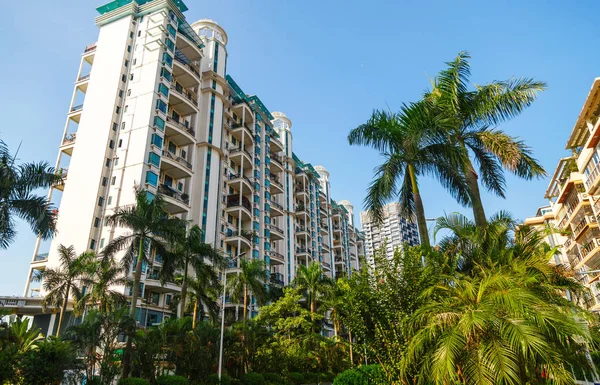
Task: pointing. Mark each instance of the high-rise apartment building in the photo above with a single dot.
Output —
(153, 106)
(574, 197)
(395, 231)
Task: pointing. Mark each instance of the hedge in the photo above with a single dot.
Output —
(253, 379)
(363, 375)
(133, 381)
(172, 380)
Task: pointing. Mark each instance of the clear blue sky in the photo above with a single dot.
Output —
(326, 64)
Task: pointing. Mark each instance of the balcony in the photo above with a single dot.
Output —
(276, 232)
(301, 211)
(176, 202)
(324, 228)
(63, 174)
(302, 251)
(277, 279)
(183, 100)
(175, 166)
(301, 230)
(591, 181)
(82, 82)
(186, 73)
(276, 145)
(301, 192)
(152, 281)
(276, 209)
(587, 251)
(326, 266)
(585, 223)
(242, 132)
(240, 182)
(276, 186)
(41, 258)
(185, 46)
(179, 133)
(244, 237)
(236, 154)
(75, 113)
(276, 164)
(234, 205)
(337, 229)
(277, 258)
(68, 144)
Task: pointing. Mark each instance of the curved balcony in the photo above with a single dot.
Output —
(277, 258)
(40, 260)
(276, 164)
(187, 74)
(183, 100)
(178, 133)
(586, 222)
(153, 282)
(176, 202)
(68, 144)
(238, 207)
(63, 174)
(243, 133)
(82, 83)
(240, 183)
(300, 192)
(276, 186)
(276, 233)
(324, 229)
(326, 266)
(75, 113)
(337, 229)
(301, 230)
(175, 166)
(276, 145)
(243, 237)
(586, 252)
(276, 279)
(302, 212)
(276, 209)
(236, 154)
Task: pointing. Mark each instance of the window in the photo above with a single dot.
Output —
(139, 33)
(120, 142)
(120, 93)
(183, 154)
(131, 35)
(170, 45)
(104, 181)
(116, 161)
(107, 162)
(151, 178)
(100, 201)
(179, 186)
(159, 123)
(126, 63)
(154, 159)
(131, 77)
(156, 141)
(111, 144)
(129, 92)
(166, 74)
(172, 148)
(93, 244)
(96, 222)
(123, 126)
(128, 48)
(171, 30)
(102, 243)
(167, 59)
(108, 203)
(113, 180)
(161, 106)
(163, 89)
(134, 61)
(124, 78)
(118, 111)
(115, 125)
(126, 108)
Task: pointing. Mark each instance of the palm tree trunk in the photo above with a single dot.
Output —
(245, 301)
(350, 340)
(419, 210)
(335, 325)
(475, 195)
(137, 277)
(63, 308)
(195, 314)
(184, 290)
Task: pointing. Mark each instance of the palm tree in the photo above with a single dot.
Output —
(413, 143)
(150, 229)
(471, 116)
(313, 284)
(251, 278)
(190, 251)
(204, 293)
(17, 184)
(336, 301)
(100, 277)
(63, 283)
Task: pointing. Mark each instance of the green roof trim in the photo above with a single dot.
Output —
(108, 7)
(312, 170)
(297, 160)
(261, 106)
(186, 30)
(239, 95)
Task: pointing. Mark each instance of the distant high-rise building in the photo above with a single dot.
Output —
(395, 230)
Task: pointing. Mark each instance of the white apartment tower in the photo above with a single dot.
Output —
(395, 231)
(153, 106)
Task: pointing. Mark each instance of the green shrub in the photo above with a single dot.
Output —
(363, 375)
(311, 378)
(326, 377)
(273, 378)
(236, 381)
(253, 379)
(47, 364)
(213, 379)
(172, 380)
(133, 381)
(296, 378)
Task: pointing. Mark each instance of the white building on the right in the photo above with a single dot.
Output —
(395, 230)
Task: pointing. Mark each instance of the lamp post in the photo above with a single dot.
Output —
(223, 314)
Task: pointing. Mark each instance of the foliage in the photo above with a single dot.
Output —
(17, 199)
(99, 277)
(252, 278)
(16, 340)
(296, 378)
(363, 375)
(213, 379)
(48, 363)
(253, 379)
(133, 381)
(273, 378)
(172, 380)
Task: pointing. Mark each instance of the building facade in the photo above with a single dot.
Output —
(153, 106)
(395, 231)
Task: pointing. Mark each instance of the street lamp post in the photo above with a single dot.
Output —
(223, 315)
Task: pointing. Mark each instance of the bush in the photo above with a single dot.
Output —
(172, 380)
(311, 378)
(133, 381)
(236, 381)
(296, 378)
(213, 379)
(253, 379)
(363, 375)
(326, 377)
(273, 378)
(48, 363)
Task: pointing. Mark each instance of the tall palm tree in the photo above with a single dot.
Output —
(471, 116)
(251, 278)
(191, 252)
(313, 284)
(99, 278)
(150, 229)
(413, 143)
(63, 283)
(17, 198)
(204, 293)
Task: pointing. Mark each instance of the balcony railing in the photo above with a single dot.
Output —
(187, 65)
(83, 77)
(302, 250)
(277, 278)
(170, 192)
(77, 108)
(275, 180)
(90, 48)
(588, 219)
(236, 150)
(277, 160)
(589, 181)
(238, 176)
(234, 201)
(183, 127)
(276, 254)
(300, 229)
(177, 159)
(69, 138)
(276, 229)
(276, 141)
(280, 207)
(237, 125)
(183, 92)
(41, 257)
(588, 247)
(244, 233)
(300, 190)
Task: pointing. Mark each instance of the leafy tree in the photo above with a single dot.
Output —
(204, 292)
(50, 363)
(64, 282)
(191, 251)
(99, 278)
(312, 283)
(413, 143)
(16, 340)
(471, 116)
(150, 229)
(17, 198)
(251, 278)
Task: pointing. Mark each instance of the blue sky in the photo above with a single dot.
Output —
(327, 65)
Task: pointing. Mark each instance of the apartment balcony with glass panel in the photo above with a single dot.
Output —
(177, 202)
(242, 239)
(276, 209)
(183, 99)
(275, 232)
(276, 145)
(175, 165)
(238, 206)
(178, 129)
(276, 164)
(238, 153)
(242, 132)
(276, 186)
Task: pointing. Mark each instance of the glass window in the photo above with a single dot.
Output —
(166, 74)
(159, 123)
(163, 89)
(167, 59)
(170, 45)
(161, 106)
(151, 178)
(100, 201)
(171, 30)
(154, 158)
(156, 140)
(109, 202)
(113, 181)
(93, 244)
(96, 222)
(172, 148)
